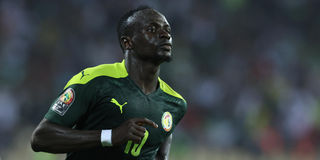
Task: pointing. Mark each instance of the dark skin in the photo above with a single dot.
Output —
(145, 50)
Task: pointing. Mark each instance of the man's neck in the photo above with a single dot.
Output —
(143, 73)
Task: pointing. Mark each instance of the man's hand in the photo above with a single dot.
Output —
(131, 129)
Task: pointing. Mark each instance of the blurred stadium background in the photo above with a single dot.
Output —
(250, 71)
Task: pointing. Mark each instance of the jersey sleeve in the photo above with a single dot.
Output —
(70, 106)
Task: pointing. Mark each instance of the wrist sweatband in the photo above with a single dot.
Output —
(106, 138)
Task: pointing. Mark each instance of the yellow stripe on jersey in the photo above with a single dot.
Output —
(115, 70)
(167, 89)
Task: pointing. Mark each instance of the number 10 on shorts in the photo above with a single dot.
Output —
(135, 151)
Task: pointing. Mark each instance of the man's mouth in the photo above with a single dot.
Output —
(166, 46)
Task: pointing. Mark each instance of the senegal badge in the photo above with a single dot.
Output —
(64, 102)
(166, 121)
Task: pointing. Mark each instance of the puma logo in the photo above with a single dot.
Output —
(117, 103)
(83, 75)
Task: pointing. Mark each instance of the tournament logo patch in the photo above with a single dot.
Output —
(166, 121)
(64, 102)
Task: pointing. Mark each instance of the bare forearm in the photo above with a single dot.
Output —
(164, 150)
(52, 138)
(158, 157)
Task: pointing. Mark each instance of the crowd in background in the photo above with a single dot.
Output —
(249, 70)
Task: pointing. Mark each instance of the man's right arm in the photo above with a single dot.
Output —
(54, 138)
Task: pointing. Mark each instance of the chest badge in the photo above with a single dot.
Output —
(166, 121)
(117, 103)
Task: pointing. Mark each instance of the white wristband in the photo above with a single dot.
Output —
(106, 137)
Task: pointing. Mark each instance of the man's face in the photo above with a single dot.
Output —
(151, 36)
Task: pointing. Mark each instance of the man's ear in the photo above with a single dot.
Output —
(126, 43)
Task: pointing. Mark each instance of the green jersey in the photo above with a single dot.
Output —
(103, 97)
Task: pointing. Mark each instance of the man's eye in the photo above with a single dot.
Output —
(151, 29)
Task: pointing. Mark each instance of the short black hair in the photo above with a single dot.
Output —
(122, 28)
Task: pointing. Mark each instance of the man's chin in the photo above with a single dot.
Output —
(168, 59)
(158, 58)
(164, 56)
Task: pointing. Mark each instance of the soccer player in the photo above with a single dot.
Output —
(122, 110)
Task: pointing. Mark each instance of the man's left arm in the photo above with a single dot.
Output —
(163, 152)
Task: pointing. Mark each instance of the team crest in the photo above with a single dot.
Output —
(64, 102)
(166, 121)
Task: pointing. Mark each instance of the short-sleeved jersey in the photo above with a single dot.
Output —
(103, 97)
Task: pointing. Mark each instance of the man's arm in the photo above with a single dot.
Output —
(53, 138)
(163, 152)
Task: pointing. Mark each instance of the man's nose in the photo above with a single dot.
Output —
(165, 34)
